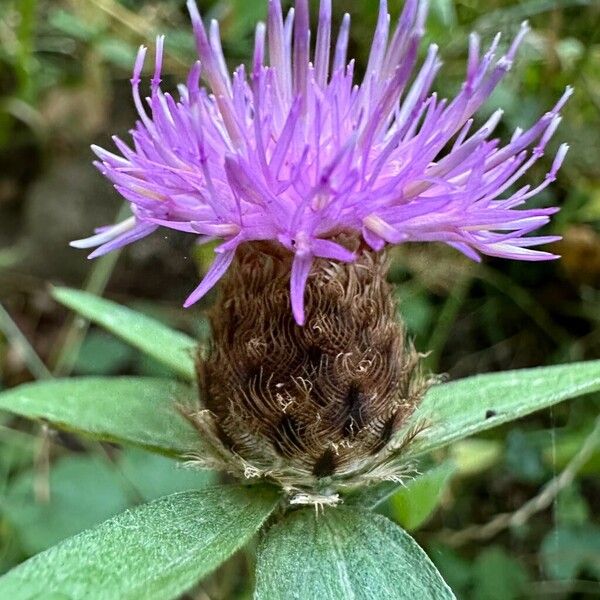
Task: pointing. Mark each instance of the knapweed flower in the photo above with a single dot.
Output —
(306, 177)
(295, 151)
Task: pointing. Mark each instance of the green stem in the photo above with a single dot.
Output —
(14, 335)
(443, 328)
(25, 67)
(526, 302)
(76, 327)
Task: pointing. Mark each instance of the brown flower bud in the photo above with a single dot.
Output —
(313, 408)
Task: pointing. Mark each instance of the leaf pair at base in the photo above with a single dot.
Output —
(162, 549)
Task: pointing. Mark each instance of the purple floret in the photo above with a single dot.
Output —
(295, 150)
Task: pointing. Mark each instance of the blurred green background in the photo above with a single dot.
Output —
(64, 71)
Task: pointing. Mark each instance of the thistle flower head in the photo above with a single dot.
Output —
(318, 410)
(294, 151)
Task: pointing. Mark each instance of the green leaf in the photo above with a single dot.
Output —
(154, 476)
(155, 551)
(132, 410)
(344, 553)
(413, 504)
(117, 52)
(462, 408)
(103, 354)
(498, 576)
(84, 491)
(568, 551)
(571, 507)
(523, 458)
(456, 569)
(73, 26)
(170, 347)
(456, 410)
(476, 455)
(371, 497)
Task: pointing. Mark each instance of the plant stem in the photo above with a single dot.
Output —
(76, 327)
(15, 336)
(440, 334)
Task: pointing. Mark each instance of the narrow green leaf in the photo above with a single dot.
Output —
(132, 410)
(344, 553)
(462, 408)
(456, 410)
(155, 551)
(170, 347)
(413, 504)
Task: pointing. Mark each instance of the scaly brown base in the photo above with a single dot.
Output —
(317, 408)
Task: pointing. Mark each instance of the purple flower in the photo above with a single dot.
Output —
(295, 150)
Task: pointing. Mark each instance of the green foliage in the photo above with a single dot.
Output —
(456, 570)
(461, 408)
(498, 576)
(167, 346)
(76, 57)
(566, 445)
(523, 458)
(414, 503)
(568, 552)
(102, 354)
(494, 574)
(571, 507)
(158, 550)
(136, 410)
(152, 476)
(475, 455)
(144, 412)
(117, 409)
(344, 553)
(85, 490)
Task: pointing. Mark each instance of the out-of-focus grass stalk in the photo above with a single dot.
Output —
(524, 10)
(130, 19)
(135, 23)
(443, 327)
(537, 504)
(14, 335)
(25, 64)
(75, 329)
(39, 370)
(526, 302)
(24, 67)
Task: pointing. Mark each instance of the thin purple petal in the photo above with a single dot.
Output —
(216, 271)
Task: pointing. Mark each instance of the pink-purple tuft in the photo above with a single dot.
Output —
(296, 150)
